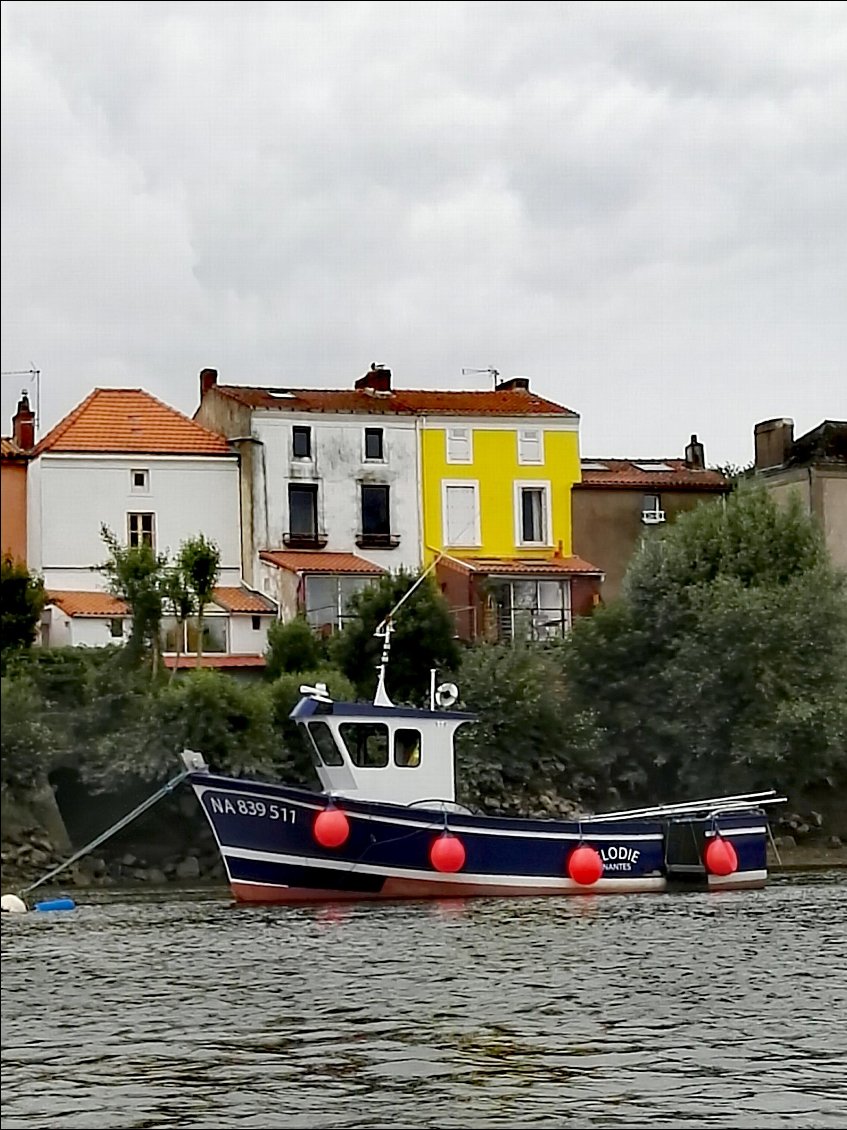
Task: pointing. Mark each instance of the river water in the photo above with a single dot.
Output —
(183, 1010)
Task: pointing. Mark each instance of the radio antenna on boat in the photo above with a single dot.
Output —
(384, 629)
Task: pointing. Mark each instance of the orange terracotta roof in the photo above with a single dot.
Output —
(10, 450)
(130, 420)
(514, 566)
(238, 598)
(76, 603)
(317, 561)
(398, 402)
(231, 661)
(627, 473)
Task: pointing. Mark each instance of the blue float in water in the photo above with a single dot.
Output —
(56, 904)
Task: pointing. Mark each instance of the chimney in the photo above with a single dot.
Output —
(773, 441)
(208, 379)
(695, 455)
(512, 383)
(377, 379)
(23, 424)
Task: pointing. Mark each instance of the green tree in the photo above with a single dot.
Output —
(423, 637)
(292, 647)
(724, 664)
(200, 563)
(22, 599)
(25, 740)
(526, 743)
(134, 574)
(180, 603)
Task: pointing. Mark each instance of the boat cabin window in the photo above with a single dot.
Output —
(324, 742)
(407, 748)
(367, 743)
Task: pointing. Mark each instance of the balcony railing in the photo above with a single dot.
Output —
(652, 517)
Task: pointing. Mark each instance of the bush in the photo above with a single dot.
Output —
(26, 747)
(292, 647)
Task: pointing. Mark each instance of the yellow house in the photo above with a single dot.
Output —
(497, 469)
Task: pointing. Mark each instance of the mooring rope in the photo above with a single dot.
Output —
(115, 828)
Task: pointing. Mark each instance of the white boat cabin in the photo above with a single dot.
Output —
(394, 754)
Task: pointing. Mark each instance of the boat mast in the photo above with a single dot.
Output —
(384, 629)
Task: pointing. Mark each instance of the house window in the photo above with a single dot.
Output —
(303, 510)
(374, 444)
(651, 510)
(530, 445)
(139, 481)
(533, 518)
(459, 448)
(460, 514)
(301, 441)
(375, 520)
(531, 609)
(327, 599)
(367, 743)
(116, 628)
(141, 530)
(184, 637)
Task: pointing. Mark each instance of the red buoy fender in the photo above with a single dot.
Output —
(720, 857)
(331, 827)
(447, 853)
(585, 865)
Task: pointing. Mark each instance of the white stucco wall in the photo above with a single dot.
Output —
(339, 468)
(244, 639)
(70, 496)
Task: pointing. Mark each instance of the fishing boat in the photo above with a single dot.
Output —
(386, 823)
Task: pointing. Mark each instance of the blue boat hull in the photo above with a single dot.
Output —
(267, 841)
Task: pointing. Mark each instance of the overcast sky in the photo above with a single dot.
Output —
(640, 206)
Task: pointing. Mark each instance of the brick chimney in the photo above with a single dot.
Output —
(23, 424)
(773, 441)
(511, 384)
(377, 378)
(208, 379)
(695, 455)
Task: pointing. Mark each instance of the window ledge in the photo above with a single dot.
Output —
(377, 541)
(304, 541)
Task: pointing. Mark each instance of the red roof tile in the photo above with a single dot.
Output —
(98, 604)
(311, 561)
(231, 661)
(398, 402)
(10, 450)
(627, 473)
(514, 566)
(130, 420)
(238, 598)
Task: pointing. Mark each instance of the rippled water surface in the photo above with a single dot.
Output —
(672, 1010)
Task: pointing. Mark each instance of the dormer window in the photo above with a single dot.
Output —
(301, 442)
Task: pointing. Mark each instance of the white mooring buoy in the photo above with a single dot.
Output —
(11, 904)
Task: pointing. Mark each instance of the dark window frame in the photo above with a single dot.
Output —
(305, 490)
(381, 528)
(302, 433)
(378, 436)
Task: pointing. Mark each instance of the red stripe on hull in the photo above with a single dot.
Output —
(394, 888)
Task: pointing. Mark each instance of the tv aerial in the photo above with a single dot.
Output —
(492, 372)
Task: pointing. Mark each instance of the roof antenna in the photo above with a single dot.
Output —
(492, 372)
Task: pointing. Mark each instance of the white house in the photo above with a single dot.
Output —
(330, 494)
(124, 460)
